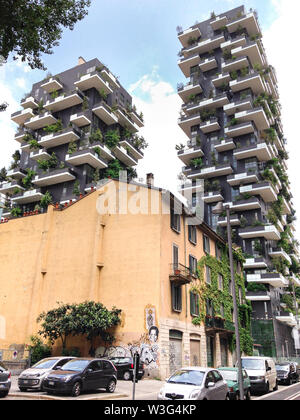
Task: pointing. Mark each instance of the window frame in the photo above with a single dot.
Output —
(176, 300)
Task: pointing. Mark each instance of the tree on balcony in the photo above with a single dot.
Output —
(27, 180)
(112, 138)
(96, 136)
(3, 174)
(46, 200)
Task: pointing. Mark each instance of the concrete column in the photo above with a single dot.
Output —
(218, 358)
(203, 349)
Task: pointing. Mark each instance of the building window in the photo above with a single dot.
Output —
(251, 165)
(175, 221)
(208, 274)
(176, 293)
(235, 192)
(218, 253)
(193, 265)
(175, 256)
(194, 304)
(222, 311)
(221, 282)
(209, 308)
(192, 234)
(206, 244)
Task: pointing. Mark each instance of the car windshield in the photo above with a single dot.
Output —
(253, 364)
(45, 364)
(76, 365)
(283, 367)
(229, 375)
(2, 367)
(187, 377)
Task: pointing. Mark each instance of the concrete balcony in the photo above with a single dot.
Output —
(243, 178)
(25, 147)
(225, 145)
(234, 43)
(20, 136)
(93, 80)
(280, 253)
(268, 232)
(56, 176)
(212, 197)
(29, 102)
(41, 121)
(264, 189)
(238, 106)
(185, 64)
(208, 64)
(81, 119)
(10, 187)
(16, 173)
(287, 209)
(40, 154)
(255, 263)
(248, 21)
(258, 296)
(186, 123)
(191, 187)
(137, 154)
(20, 117)
(235, 64)
(110, 78)
(105, 113)
(238, 130)
(287, 318)
(88, 156)
(126, 122)
(252, 81)
(57, 139)
(219, 22)
(210, 172)
(189, 33)
(274, 279)
(261, 151)
(234, 221)
(204, 46)
(256, 115)
(52, 85)
(64, 101)
(295, 280)
(180, 274)
(251, 50)
(210, 126)
(105, 151)
(136, 119)
(124, 156)
(221, 79)
(27, 197)
(212, 103)
(190, 89)
(245, 205)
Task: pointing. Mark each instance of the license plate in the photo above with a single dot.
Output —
(25, 382)
(140, 371)
(51, 383)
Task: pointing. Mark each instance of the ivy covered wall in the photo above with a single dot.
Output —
(222, 296)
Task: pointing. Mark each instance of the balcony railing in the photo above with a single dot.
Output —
(219, 325)
(180, 274)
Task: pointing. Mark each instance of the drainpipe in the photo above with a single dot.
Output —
(185, 263)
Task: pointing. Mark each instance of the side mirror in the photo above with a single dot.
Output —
(210, 385)
(57, 368)
(269, 369)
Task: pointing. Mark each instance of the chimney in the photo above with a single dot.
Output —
(81, 60)
(150, 180)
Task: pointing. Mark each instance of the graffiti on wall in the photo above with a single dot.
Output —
(146, 346)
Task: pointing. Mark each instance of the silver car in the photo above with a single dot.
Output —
(34, 377)
(195, 383)
(5, 381)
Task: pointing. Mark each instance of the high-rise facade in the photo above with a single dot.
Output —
(232, 118)
(74, 129)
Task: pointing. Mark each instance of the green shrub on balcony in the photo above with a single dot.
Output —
(112, 138)
(256, 287)
(234, 75)
(27, 180)
(197, 163)
(54, 128)
(46, 200)
(16, 212)
(34, 145)
(72, 147)
(206, 115)
(96, 136)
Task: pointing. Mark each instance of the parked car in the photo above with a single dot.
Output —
(5, 381)
(195, 383)
(262, 373)
(82, 375)
(231, 376)
(33, 378)
(287, 373)
(125, 366)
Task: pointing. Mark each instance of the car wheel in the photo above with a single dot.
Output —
(290, 381)
(111, 387)
(3, 394)
(267, 389)
(227, 397)
(127, 376)
(22, 389)
(76, 390)
(248, 395)
(276, 387)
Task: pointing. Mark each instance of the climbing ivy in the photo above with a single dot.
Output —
(223, 297)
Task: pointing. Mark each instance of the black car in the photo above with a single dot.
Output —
(82, 375)
(287, 373)
(124, 367)
(5, 381)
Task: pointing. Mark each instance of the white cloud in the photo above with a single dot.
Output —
(160, 105)
(21, 82)
(280, 41)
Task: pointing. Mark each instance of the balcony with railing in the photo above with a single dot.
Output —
(215, 102)
(180, 274)
(252, 81)
(264, 189)
(125, 156)
(132, 149)
(269, 232)
(187, 122)
(39, 154)
(64, 101)
(274, 279)
(10, 187)
(280, 253)
(93, 80)
(225, 145)
(258, 296)
(110, 78)
(248, 21)
(126, 121)
(54, 176)
(244, 205)
(186, 63)
(27, 197)
(137, 119)
(216, 324)
(210, 125)
(212, 197)
(221, 79)
(235, 64)
(204, 45)
(190, 153)
(29, 102)
(208, 64)
(252, 51)
(238, 130)
(257, 115)
(86, 156)
(209, 171)
(239, 41)
(255, 263)
(234, 221)
(16, 173)
(52, 84)
(190, 33)
(57, 139)
(244, 104)
(243, 178)
(185, 91)
(219, 22)
(261, 151)
(20, 117)
(40, 121)
(287, 318)
(81, 119)
(106, 153)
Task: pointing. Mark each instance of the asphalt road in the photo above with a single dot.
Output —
(285, 393)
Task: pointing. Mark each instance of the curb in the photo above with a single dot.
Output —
(264, 397)
(53, 398)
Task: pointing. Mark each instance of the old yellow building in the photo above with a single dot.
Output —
(125, 252)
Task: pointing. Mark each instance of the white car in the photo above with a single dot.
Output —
(195, 383)
(33, 377)
(262, 373)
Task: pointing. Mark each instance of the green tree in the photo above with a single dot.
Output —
(29, 29)
(38, 350)
(46, 200)
(113, 170)
(3, 174)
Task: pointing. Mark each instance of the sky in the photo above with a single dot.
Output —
(137, 40)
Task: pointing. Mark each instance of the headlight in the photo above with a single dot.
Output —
(260, 378)
(67, 378)
(161, 393)
(194, 395)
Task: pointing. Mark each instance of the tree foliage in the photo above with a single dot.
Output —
(30, 28)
